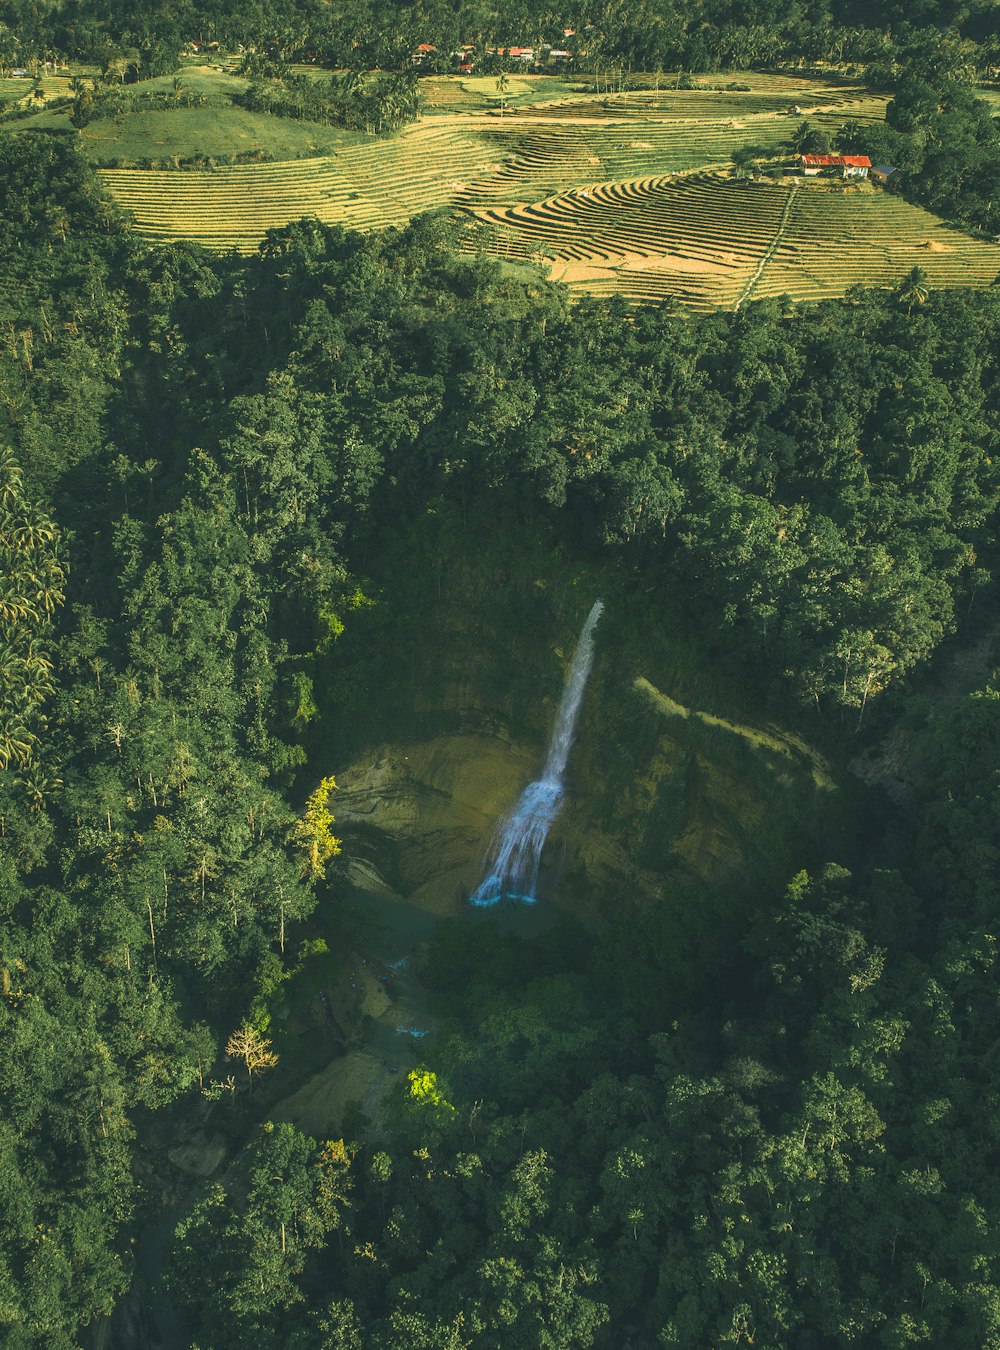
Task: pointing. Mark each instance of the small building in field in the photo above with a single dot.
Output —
(881, 173)
(851, 166)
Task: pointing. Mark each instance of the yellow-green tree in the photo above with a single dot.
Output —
(424, 1087)
(314, 830)
(252, 1048)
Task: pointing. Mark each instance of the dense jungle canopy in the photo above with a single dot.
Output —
(234, 495)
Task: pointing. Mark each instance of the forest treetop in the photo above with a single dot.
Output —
(370, 34)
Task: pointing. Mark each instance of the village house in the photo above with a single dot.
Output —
(881, 173)
(851, 166)
(513, 53)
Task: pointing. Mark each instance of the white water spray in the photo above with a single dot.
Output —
(517, 847)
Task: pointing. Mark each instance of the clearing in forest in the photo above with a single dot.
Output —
(616, 193)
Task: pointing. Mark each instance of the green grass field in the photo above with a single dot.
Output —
(214, 129)
(182, 133)
(13, 90)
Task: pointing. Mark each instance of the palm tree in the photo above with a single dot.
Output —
(914, 290)
(16, 741)
(38, 787)
(503, 84)
(802, 137)
(10, 478)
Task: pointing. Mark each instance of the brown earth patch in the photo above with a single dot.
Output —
(577, 273)
(674, 262)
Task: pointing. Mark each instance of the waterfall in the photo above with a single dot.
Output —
(517, 846)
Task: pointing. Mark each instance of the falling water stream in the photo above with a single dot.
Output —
(516, 853)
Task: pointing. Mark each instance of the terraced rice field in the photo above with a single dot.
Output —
(883, 236)
(601, 189)
(364, 187)
(710, 240)
(53, 84)
(467, 160)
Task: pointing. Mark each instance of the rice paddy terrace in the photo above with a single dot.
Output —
(713, 241)
(616, 194)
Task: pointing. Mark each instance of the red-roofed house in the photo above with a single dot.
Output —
(853, 166)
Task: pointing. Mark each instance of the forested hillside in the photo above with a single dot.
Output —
(206, 465)
(382, 34)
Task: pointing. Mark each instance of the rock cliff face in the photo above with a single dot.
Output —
(658, 795)
(421, 813)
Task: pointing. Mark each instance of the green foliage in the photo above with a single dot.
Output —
(809, 140)
(241, 1250)
(33, 581)
(313, 830)
(748, 158)
(942, 139)
(376, 104)
(220, 445)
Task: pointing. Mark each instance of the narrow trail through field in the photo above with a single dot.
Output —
(771, 250)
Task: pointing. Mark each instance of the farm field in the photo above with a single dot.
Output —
(52, 84)
(710, 240)
(629, 195)
(367, 186)
(461, 160)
